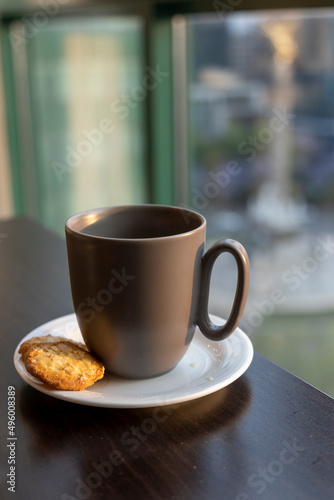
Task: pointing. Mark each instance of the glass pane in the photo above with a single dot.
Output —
(261, 107)
(87, 111)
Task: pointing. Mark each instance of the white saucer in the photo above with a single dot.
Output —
(206, 367)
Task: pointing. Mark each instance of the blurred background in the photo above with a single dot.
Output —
(221, 107)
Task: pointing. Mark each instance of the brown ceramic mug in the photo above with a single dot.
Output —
(140, 283)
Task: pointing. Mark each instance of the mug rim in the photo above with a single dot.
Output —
(172, 208)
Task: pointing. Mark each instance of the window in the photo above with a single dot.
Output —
(261, 133)
(81, 131)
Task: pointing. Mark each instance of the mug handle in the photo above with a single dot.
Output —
(209, 329)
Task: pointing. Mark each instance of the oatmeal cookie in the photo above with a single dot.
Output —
(63, 365)
(28, 344)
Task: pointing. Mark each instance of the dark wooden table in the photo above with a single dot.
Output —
(269, 435)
